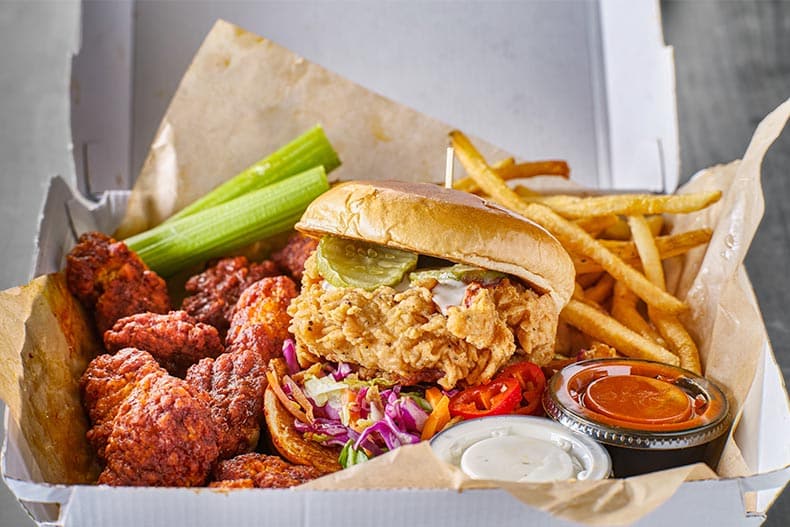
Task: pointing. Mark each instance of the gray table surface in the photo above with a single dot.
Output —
(733, 67)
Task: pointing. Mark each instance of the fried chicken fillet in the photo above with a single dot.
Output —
(404, 337)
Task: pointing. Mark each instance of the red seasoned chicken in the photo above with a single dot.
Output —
(148, 427)
(163, 436)
(112, 280)
(106, 383)
(216, 290)
(236, 383)
(176, 340)
(261, 471)
(291, 258)
(260, 320)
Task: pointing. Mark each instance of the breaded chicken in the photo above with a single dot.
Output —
(106, 383)
(260, 319)
(175, 340)
(262, 471)
(236, 383)
(163, 436)
(112, 280)
(404, 337)
(148, 427)
(292, 257)
(216, 290)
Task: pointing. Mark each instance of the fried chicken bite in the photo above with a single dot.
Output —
(214, 292)
(260, 319)
(291, 258)
(261, 471)
(176, 340)
(163, 435)
(112, 280)
(236, 383)
(106, 383)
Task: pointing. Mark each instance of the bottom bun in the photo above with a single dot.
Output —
(290, 443)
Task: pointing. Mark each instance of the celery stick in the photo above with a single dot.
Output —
(306, 151)
(226, 227)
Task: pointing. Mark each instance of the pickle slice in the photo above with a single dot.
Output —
(351, 263)
(461, 272)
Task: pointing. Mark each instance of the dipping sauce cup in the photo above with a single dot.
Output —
(650, 416)
(521, 448)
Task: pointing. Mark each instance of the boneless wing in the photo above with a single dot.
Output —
(261, 471)
(148, 427)
(236, 383)
(163, 435)
(112, 280)
(175, 340)
(214, 292)
(106, 383)
(260, 319)
(292, 257)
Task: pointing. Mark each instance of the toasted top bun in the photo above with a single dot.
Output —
(444, 223)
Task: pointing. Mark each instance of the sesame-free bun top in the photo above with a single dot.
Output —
(449, 224)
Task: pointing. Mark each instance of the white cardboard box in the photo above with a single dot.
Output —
(546, 92)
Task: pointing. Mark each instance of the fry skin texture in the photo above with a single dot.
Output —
(573, 207)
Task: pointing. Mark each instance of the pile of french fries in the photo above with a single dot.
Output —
(620, 305)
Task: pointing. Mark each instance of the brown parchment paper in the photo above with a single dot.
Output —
(242, 97)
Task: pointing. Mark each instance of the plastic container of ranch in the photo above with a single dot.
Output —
(521, 448)
(650, 416)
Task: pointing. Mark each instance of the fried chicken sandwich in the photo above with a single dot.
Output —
(412, 285)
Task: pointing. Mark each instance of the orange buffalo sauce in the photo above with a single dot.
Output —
(634, 406)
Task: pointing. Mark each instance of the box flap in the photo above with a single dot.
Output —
(540, 79)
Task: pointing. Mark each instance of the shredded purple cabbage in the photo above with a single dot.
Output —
(342, 371)
(289, 353)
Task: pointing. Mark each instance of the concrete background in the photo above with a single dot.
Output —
(733, 67)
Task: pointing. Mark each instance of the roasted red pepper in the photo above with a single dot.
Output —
(531, 381)
(500, 396)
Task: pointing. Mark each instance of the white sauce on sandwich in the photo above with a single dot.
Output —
(448, 293)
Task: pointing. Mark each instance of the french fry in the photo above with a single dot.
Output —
(621, 231)
(588, 279)
(668, 246)
(508, 169)
(596, 225)
(601, 290)
(569, 234)
(670, 328)
(535, 168)
(573, 207)
(624, 310)
(602, 327)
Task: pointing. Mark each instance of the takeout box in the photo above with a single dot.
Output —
(568, 102)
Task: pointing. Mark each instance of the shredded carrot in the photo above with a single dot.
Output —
(290, 405)
(438, 418)
(300, 397)
(433, 395)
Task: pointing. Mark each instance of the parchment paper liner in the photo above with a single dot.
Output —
(242, 97)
